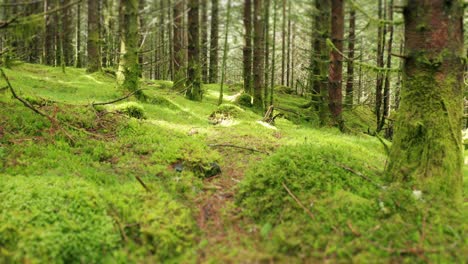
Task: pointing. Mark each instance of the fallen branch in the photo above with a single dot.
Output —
(53, 120)
(298, 202)
(117, 100)
(239, 147)
(356, 173)
(142, 183)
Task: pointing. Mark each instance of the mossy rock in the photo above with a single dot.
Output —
(131, 109)
(284, 89)
(244, 100)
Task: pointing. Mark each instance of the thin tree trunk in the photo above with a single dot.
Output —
(267, 48)
(398, 88)
(259, 55)
(214, 42)
(225, 52)
(78, 59)
(204, 40)
(288, 48)
(49, 35)
(350, 73)
(194, 89)
(336, 63)
(427, 150)
(380, 63)
(170, 46)
(386, 93)
(247, 52)
(283, 46)
(273, 53)
(178, 42)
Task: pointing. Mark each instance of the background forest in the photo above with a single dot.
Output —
(245, 131)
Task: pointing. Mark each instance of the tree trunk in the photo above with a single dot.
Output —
(49, 35)
(386, 92)
(427, 150)
(283, 45)
(247, 52)
(170, 47)
(267, 48)
(204, 40)
(78, 59)
(214, 42)
(225, 52)
(194, 89)
(94, 56)
(67, 33)
(259, 55)
(350, 74)
(336, 63)
(179, 50)
(288, 48)
(380, 63)
(273, 54)
(129, 70)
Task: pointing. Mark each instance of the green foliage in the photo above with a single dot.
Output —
(244, 100)
(225, 112)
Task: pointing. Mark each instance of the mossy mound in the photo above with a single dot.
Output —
(244, 100)
(225, 112)
(350, 215)
(131, 109)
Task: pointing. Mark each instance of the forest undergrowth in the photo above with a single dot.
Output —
(171, 180)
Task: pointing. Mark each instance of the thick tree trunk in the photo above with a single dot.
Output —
(247, 52)
(94, 54)
(67, 33)
(179, 48)
(214, 42)
(259, 55)
(194, 89)
(49, 35)
(129, 70)
(335, 75)
(427, 150)
(350, 73)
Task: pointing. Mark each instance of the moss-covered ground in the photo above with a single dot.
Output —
(137, 182)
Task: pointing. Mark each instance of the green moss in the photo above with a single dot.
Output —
(244, 100)
(131, 109)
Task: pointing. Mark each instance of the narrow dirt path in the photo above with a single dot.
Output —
(221, 223)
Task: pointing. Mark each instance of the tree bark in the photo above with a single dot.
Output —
(381, 32)
(259, 55)
(49, 35)
(129, 69)
(336, 63)
(386, 91)
(350, 73)
(94, 54)
(267, 48)
(178, 43)
(283, 45)
(225, 52)
(213, 71)
(194, 89)
(204, 40)
(247, 52)
(78, 54)
(427, 150)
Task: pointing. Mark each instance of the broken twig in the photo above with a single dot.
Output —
(298, 202)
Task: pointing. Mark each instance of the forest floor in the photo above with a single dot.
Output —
(104, 187)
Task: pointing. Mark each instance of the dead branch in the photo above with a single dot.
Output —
(142, 183)
(117, 100)
(239, 147)
(297, 201)
(355, 173)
